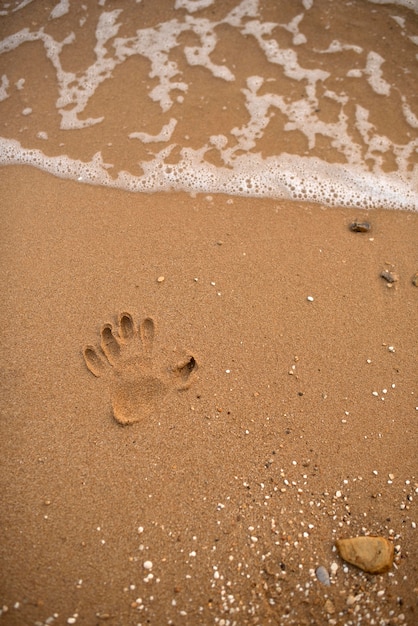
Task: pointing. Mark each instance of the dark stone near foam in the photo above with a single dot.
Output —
(360, 227)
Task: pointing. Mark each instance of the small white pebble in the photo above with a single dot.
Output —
(147, 564)
(310, 298)
(375, 393)
(391, 349)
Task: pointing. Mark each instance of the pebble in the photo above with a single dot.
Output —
(371, 554)
(360, 227)
(415, 279)
(390, 277)
(160, 279)
(322, 575)
(329, 607)
(147, 564)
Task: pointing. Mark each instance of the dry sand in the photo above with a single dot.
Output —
(235, 488)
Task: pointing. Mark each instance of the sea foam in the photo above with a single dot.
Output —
(308, 111)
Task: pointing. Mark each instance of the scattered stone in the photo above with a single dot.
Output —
(415, 279)
(160, 279)
(322, 575)
(371, 554)
(360, 227)
(390, 277)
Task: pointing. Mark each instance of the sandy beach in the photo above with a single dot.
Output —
(271, 379)
(208, 377)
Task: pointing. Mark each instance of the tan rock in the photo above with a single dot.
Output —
(371, 554)
(329, 607)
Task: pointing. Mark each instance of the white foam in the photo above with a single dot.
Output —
(62, 8)
(193, 5)
(409, 4)
(337, 46)
(165, 133)
(296, 178)
(374, 74)
(359, 177)
(293, 27)
(410, 117)
(4, 86)
(20, 6)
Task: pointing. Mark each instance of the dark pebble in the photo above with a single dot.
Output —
(360, 227)
(388, 276)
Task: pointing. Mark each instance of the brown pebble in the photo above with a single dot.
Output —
(360, 227)
(371, 554)
(390, 277)
(329, 607)
(415, 279)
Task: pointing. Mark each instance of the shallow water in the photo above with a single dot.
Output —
(300, 99)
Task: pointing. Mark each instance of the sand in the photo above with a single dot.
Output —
(275, 407)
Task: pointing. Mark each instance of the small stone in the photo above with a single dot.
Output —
(322, 575)
(390, 277)
(329, 607)
(148, 565)
(160, 279)
(360, 227)
(415, 279)
(371, 554)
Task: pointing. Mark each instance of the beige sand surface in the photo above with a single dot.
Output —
(236, 488)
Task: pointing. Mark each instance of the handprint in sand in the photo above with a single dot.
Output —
(125, 361)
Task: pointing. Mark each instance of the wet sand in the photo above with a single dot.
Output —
(236, 487)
